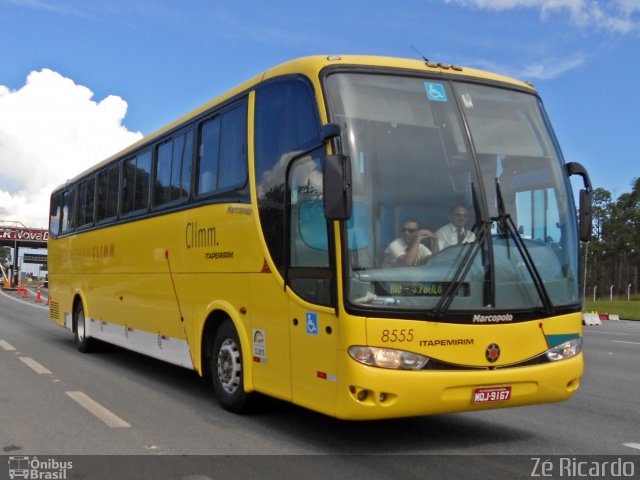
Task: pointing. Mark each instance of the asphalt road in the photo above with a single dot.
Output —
(56, 401)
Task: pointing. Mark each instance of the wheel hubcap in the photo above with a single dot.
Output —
(229, 366)
(80, 326)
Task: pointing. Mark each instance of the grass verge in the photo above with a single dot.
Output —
(628, 310)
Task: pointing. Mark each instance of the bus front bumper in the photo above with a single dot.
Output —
(374, 393)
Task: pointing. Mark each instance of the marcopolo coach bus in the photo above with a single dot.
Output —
(253, 241)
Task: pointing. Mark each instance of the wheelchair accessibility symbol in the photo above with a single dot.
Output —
(435, 92)
(312, 323)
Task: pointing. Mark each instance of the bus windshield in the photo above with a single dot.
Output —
(458, 192)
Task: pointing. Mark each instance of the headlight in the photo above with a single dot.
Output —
(567, 349)
(387, 358)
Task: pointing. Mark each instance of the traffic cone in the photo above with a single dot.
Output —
(39, 295)
(19, 289)
(26, 293)
(48, 300)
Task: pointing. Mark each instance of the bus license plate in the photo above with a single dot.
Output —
(491, 394)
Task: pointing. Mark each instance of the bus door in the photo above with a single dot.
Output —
(312, 321)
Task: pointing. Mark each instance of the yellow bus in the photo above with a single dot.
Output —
(289, 238)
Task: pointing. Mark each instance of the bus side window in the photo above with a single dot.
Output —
(113, 190)
(286, 120)
(233, 140)
(209, 156)
(173, 169)
(102, 198)
(54, 215)
(128, 183)
(222, 164)
(162, 187)
(137, 173)
(107, 193)
(143, 180)
(86, 198)
(309, 275)
(68, 210)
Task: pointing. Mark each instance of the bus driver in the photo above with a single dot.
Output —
(455, 232)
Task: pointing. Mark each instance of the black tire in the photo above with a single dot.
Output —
(83, 343)
(227, 370)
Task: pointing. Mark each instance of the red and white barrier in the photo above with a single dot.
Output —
(598, 318)
(591, 319)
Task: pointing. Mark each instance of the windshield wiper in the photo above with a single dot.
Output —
(467, 260)
(509, 229)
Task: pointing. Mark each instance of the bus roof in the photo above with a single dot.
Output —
(310, 66)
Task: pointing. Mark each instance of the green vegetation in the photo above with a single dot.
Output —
(613, 254)
(628, 310)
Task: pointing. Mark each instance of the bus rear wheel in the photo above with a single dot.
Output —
(83, 342)
(227, 369)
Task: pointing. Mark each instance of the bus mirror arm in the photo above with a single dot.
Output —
(337, 187)
(330, 131)
(585, 213)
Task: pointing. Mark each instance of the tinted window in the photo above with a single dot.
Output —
(137, 173)
(68, 210)
(54, 214)
(82, 198)
(113, 191)
(209, 156)
(232, 171)
(128, 185)
(309, 272)
(173, 169)
(286, 121)
(163, 173)
(86, 197)
(222, 162)
(107, 194)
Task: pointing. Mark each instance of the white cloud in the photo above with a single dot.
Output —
(619, 16)
(51, 130)
(542, 70)
(547, 70)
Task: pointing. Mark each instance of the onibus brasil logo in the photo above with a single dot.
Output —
(33, 468)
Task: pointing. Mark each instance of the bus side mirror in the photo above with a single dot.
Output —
(337, 187)
(585, 214)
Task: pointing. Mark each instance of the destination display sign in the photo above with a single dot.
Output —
(418, 289)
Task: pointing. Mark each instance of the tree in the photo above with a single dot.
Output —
(602, 204)
(614, 251)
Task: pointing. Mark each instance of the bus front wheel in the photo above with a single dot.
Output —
(227, 369)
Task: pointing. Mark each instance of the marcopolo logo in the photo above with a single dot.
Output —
(478, 318)
(37, 469)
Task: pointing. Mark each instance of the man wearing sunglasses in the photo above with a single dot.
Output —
(410, 250)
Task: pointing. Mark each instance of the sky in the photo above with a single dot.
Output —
(80, 80)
